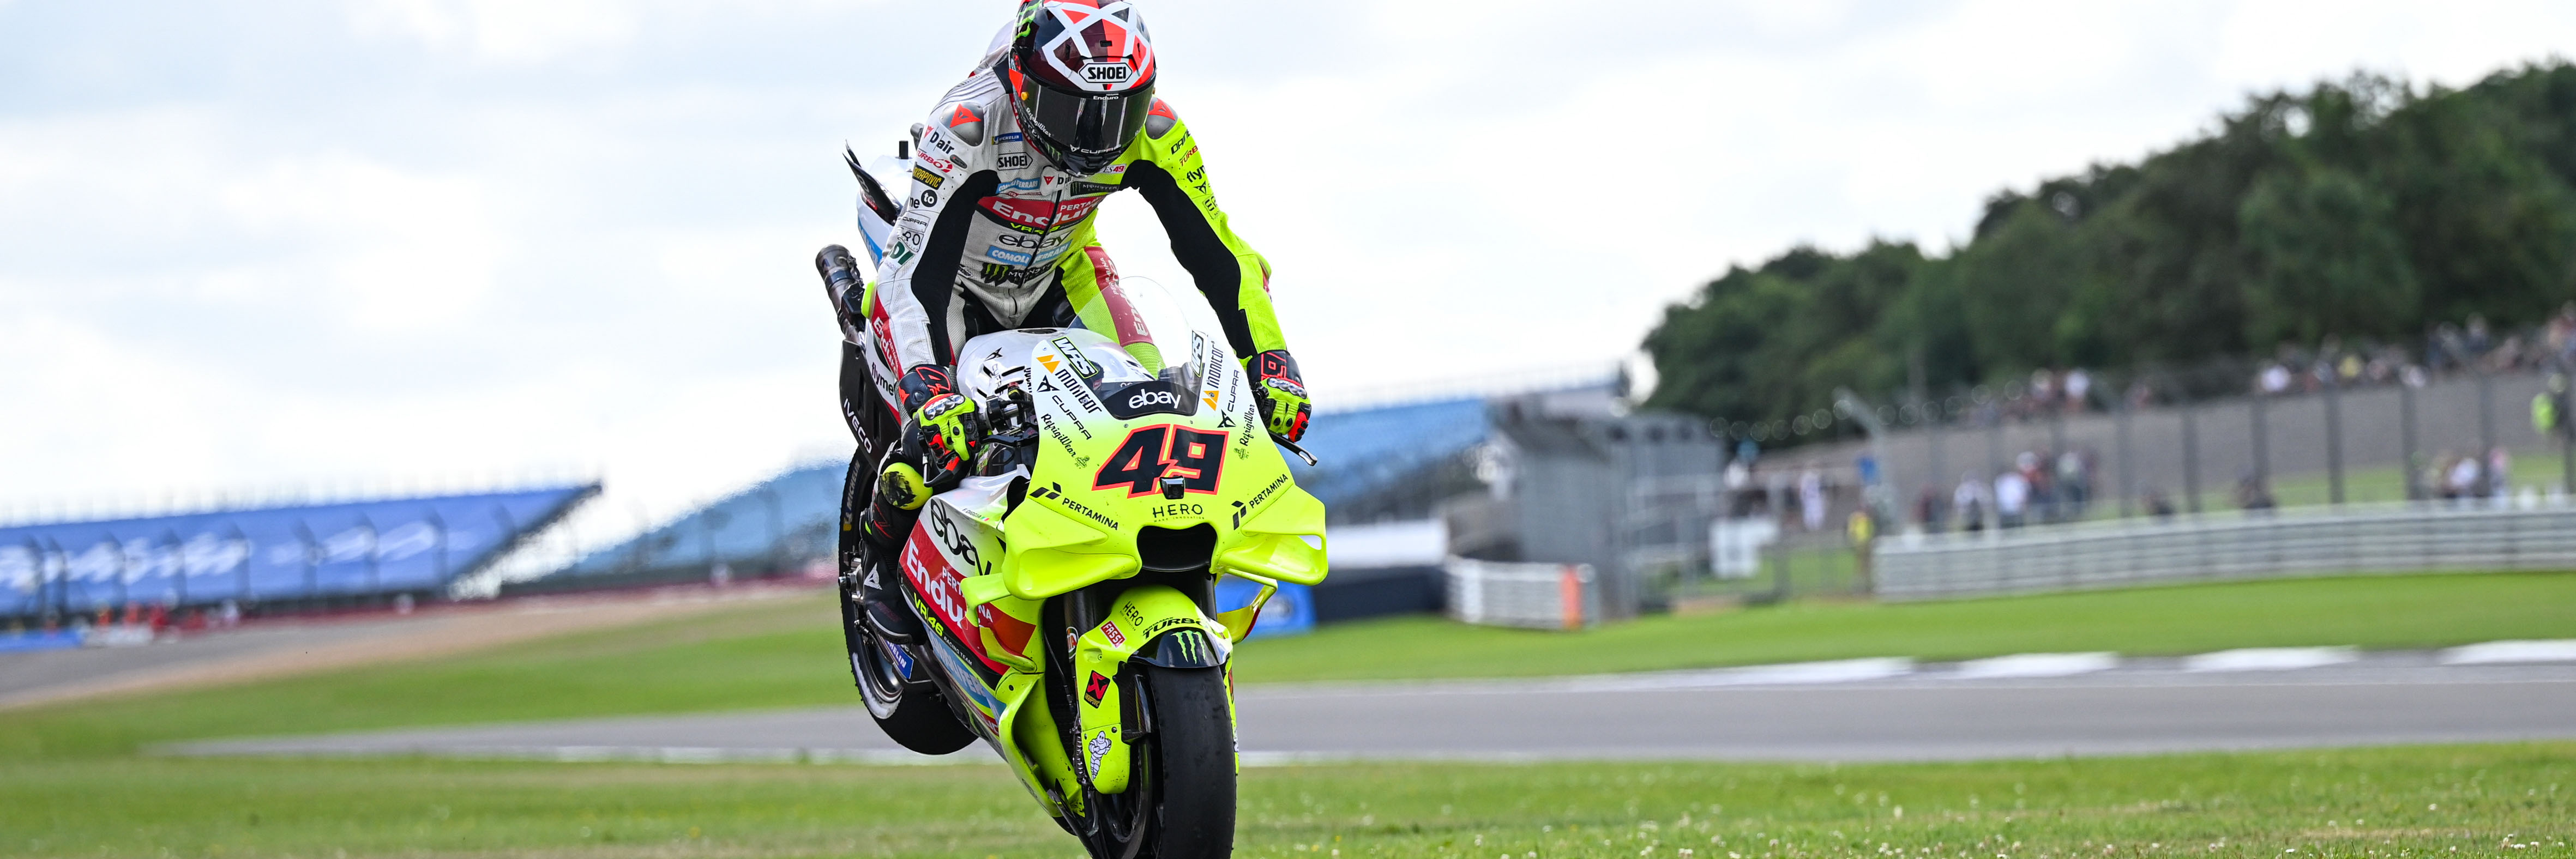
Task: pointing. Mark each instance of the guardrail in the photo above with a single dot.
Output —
(2393, 538)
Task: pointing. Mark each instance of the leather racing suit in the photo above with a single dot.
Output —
(994, 236)
(991, 220)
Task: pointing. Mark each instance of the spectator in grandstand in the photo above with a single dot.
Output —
(2254, 495)
(2042, 486)
(2460, 477)
(2443, 349)
(2499, 473)
(1969, 502)
(1927, 510)
(2562, 337)
(2159, 506)
(1811, 498)
(2079, 389)
(2274, 380)
(2012, 498)
(2074, 484)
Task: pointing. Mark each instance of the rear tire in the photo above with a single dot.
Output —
(908, 710)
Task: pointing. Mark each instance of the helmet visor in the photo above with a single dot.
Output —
(1092, 127)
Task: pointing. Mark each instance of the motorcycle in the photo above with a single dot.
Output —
(1124, 519)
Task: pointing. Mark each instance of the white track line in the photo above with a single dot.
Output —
(2510, 652)
(2035, 665)
(2271, 659)
(1790, 674)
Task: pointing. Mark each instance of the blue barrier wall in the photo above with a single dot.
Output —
(1291, 611)
(283, 553)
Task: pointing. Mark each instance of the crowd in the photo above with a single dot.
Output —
(2448, 348)
(2040, 488)
(2458, 477)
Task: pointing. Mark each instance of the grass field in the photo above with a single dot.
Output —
(73, 780)
(2470, 801)
(769, 656)
(2390, 612)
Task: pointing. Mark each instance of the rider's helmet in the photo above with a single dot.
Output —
(1081, 74)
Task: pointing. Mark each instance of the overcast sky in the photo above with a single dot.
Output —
(246, 244)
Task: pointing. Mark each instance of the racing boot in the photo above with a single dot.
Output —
(897, 503)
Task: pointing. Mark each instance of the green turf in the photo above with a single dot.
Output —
(786, 656)
(2369, 612)
(762, 655)
(2468, 801)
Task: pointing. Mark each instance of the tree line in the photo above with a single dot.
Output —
(2364, 211)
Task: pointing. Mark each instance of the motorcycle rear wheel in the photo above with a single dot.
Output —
(909, 710)
(1180, 801)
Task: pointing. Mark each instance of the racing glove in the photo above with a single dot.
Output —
(943, 417)
(1281, 393)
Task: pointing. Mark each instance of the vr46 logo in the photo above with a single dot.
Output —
(1152, 453)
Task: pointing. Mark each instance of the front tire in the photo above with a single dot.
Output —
(1185, 772)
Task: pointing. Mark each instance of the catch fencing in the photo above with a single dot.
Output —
(1529, 596)
(2394, 538)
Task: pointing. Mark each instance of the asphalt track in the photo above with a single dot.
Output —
(1863, 710)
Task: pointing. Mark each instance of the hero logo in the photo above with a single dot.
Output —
(1107, 73)
(1013, 161)
(1153, 398)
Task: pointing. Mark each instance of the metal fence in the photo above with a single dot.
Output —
(2392, 538)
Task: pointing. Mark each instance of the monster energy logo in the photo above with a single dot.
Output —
(1192, 647)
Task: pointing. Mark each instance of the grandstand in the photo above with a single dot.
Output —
(782, 525)
(276, 557)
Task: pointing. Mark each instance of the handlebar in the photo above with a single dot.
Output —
(1293, 448)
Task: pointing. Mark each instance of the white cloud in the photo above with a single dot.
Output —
(506, 31)
(431, 236)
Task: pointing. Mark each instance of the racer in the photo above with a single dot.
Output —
(997, 233)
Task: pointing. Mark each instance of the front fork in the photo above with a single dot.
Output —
(1154, 624)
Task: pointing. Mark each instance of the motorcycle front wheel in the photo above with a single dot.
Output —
(1180, 799)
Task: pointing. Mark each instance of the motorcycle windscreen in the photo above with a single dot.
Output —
(1160, 363)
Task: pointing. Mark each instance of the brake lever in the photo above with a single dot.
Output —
(1293, 448)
